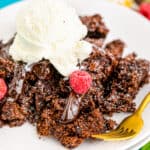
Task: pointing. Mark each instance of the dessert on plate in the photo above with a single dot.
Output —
(57, 74)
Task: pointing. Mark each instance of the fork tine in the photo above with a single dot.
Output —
(116, 131)
(121, 132)
(122, 135)
(114, 137)
(111, 133)
(118, 134)
(125, 131)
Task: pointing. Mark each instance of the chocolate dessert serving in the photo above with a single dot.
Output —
(56, 105)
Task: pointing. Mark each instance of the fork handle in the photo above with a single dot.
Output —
(144, 103)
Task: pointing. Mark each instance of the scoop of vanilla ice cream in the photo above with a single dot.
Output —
(50, 29)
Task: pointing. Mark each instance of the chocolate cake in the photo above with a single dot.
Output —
(40, 95)
(97, 30)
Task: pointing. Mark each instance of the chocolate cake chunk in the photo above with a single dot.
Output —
(101, 66)
(97, 30)
(129, 76)
(39, 87)
(95, 25)
(101, 63)
(11, 114)
(6, 69)
(116, 48)
(83, 127)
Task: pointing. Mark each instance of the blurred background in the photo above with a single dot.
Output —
(142, 6)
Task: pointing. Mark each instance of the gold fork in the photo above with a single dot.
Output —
(129, 127)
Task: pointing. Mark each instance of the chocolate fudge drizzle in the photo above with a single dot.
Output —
(72, 108)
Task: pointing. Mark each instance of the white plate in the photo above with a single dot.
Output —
(123, 23)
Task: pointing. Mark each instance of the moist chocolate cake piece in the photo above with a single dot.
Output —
(11, 114)
(82, 128)
(95, 25)
(39, 87)
(97, 30)
(77, 131)
(116, 48)
(100, 66)
(101, 63)
(6, 69)
(74, 133)
(130, 75)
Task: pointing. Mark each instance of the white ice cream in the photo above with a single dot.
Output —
(50, 29)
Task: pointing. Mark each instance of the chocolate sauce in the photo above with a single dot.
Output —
(72, 108)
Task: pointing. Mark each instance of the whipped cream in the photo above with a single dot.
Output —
(50, 29)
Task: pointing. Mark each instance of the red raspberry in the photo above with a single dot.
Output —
(145, 9)
(80, 81)
(3, 88)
